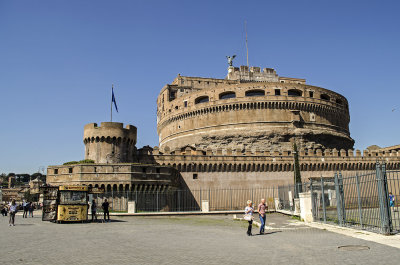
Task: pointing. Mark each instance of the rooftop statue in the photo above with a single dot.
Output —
(230, 59)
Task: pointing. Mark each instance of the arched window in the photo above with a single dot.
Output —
(325, 97)
(255, 93)
(227, 95)
(202, 99)
(294, 93)
(339, 101)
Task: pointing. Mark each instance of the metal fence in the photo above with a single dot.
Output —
(186, 200)
(364, 200)
(287, 193)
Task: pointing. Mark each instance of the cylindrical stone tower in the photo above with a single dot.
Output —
(110, 143)
(249, 110)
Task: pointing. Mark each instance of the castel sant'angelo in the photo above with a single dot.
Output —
(234, 132)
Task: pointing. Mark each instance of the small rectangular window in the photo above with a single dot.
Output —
(95, 169)
(144, 170)
(70, 170)
(55, 171)
(195, 176)
(157, 170)
(277, 92)
(185, 103)
(311, 94)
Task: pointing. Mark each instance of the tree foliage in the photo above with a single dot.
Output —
(85, 161)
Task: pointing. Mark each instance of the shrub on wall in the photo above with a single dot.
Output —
(85, 161)
(71, 163)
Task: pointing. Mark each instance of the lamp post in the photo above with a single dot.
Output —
(296, 171)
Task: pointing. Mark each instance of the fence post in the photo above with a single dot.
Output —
(179, 201)
(338, 200)
(341, 192)
(359, 200)
(201, 202)
(312, 200)
(231, 199)
(209, 198)
(383, 206)
(323, 198)
(387, 199)
(157, 202)
(252, 195)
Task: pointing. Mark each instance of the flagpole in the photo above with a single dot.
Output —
(112, 87)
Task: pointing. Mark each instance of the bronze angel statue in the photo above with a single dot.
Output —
(230, 59)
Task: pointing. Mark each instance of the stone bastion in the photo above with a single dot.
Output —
(251, 109)
(110, 143)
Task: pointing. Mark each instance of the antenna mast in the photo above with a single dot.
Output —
(247, 48)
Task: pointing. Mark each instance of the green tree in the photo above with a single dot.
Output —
(30, 197)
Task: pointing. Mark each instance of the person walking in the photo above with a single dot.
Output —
(31, 208)
(12, 207)
(249, 210)
(105, 206)
(4, 211)
(25, 208)
(93, 207)
(262, 207)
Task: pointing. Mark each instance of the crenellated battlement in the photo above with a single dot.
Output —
(310, 160)
(317, 153)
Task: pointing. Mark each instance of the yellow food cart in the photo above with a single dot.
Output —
(72, 204)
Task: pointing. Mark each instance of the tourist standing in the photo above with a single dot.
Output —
(262, 207)
(391, 200)
(93, 207)
(105, 206)
(249, 210)
(25, 208)
(12, 207)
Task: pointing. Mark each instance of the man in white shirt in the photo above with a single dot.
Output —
(25, 207)
(12, 207)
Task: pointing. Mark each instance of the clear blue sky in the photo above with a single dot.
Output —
(58, 60)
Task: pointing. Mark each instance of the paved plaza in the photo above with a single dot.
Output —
(216, 239)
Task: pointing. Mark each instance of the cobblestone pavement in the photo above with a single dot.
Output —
(181, 240)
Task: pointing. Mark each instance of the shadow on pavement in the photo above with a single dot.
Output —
(269, 233)
(101, 221)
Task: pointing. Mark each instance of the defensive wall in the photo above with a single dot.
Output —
(119, 177)
(197, 169)
(262, 110)
(223, 168)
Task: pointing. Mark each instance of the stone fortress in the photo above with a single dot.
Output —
(250, 110)
(236, 132)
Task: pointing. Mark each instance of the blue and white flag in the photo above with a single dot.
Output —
(113, 99)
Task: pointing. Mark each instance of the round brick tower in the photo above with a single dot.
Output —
(110, 143)
(251, 109)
